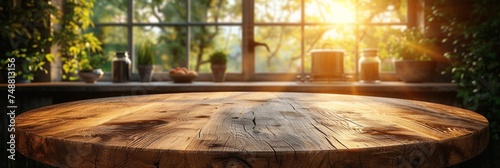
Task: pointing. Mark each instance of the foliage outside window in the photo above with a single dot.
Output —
(349, 25)
(186, 32)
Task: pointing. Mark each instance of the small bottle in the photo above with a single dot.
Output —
(121, 67)
(369, 66)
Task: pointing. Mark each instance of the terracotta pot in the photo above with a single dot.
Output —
(91, 76)
(411, 71)
(218, 72)
(145, 72)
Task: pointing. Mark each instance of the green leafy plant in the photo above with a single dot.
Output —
(218, 57)
(410, 44)
(26, 36)
(76, 47)
(471, 29)
(474, 52)
(145, 54)
(89, 62)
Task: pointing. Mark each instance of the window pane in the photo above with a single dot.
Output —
(383, 11)
(113, 38)
(170, 44)
(332, 11)
(344, 11)
(207, 39)
(277, 11)
(331, 37)
(220, 11)
(285, 51)
(110, 11)
(172, 11)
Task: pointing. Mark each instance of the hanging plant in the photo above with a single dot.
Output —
(26, 36)
(75, 45)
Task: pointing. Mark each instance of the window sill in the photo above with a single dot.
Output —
(137, 88)
(170, 87)
(34, 95)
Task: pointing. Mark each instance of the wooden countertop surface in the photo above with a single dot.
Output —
(250, 129)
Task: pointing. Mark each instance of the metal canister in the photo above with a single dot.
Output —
(327, 64)
(121, 67)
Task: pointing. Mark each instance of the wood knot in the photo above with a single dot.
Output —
(236, 163)
(215, 145)
(202, 116)
(230, 163)
(137, 125)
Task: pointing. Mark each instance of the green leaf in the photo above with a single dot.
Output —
(50, 57)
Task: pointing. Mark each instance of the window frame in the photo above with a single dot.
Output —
(414, 18)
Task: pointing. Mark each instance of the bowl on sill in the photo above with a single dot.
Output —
(183, 78)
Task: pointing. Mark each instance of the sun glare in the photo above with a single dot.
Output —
(333, 12)
(341, 13)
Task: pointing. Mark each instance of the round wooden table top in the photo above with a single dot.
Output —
(250, 129)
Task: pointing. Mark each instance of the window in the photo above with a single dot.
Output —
(187, 31)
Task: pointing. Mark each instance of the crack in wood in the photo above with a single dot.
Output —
(253, 120)
(330, 130)
(291, 146)
(274, 150)
(274, 135)
(96, 156)
(293, 107)
(326, 136)
(157, 164)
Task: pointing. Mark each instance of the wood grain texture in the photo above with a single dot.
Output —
(250, 129)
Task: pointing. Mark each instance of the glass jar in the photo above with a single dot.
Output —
(369, 66)
(121, 67)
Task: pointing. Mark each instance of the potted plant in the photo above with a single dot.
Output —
(88, 65)
(145, 60)
(218, 61)
(411, 49)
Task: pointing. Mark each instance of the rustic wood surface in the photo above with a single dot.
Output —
(250, 129)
